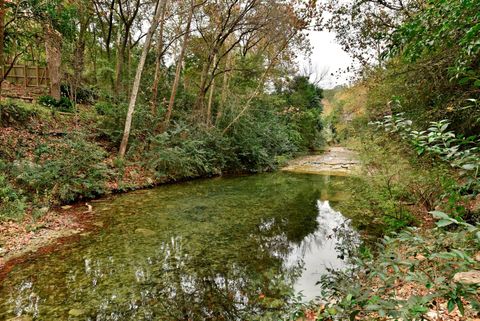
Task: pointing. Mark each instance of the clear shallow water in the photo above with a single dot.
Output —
(216, 249)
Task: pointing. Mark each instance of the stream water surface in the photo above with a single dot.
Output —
(216, 249)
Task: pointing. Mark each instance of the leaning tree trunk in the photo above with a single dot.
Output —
(136, 82)
(53, 46)
(179, 66)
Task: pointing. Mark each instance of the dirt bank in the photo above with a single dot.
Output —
(18, 240)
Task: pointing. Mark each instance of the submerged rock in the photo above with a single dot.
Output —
(21, 318)
(98, 224)
(145, 232)
(76, 312)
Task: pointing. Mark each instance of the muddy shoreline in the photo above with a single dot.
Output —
(29, 238)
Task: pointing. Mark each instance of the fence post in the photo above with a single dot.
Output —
(25, 80)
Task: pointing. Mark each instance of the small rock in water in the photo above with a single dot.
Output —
(470, 277)
(99, 224)
(89, 208)
(144, 232)
(21, 318)
(76, 312)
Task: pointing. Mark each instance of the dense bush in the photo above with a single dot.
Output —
(15, 113)
(84, 95)
(433, 67)
(309, 125)
(12, 202)
(104, 108)
(259, 137)
(411, 274)
(63, 104)
(112, 124)
(394, 186)
(177, 154)
(459, 152)
(64, 170)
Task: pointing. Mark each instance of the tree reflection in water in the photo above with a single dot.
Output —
(222, 251)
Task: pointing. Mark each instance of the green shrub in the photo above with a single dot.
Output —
(12, 202)
(309, 125)
(392, 181)
(260, 136)
(64, 171)
(84, 95)
(15, 113)
(374, 285)
(457, 151)
(63, 104)
(104, 108)
(111, 126)
(178, 153)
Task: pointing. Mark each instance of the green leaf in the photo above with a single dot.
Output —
(354, 314)
(469, 167)
(451, 305)
(443, 223)
(460, 306)
(464, 80)
(439, 215)
(373, 307)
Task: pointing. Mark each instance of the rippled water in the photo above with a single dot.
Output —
(216, 249)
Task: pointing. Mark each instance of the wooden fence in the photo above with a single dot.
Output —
(26, 76)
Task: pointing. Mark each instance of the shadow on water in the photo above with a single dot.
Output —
(218, 249)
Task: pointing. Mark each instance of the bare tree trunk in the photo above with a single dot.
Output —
(110, 28)
(53, 46)
(223, 98)
(2, 41)
(199, 103)
(118, 43)
(158, 61)
(136, 82)
(79, 56)
(179, 65)
(93, 56)
(210, 98)
(121, 53)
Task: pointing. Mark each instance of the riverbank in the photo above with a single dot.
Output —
(335, 160)
(51, 159)
(424, 259)
(20, 239)
(238, 237)
(60, 224)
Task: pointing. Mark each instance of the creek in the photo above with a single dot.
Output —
(216, 249)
